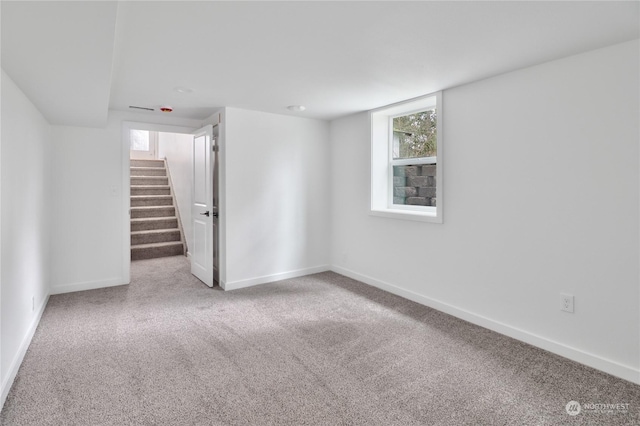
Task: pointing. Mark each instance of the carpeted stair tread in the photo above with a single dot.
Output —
(151, 200)
(154, 231)
(152, 219)
(148, 171)
(150, 207)
(150, 190)
(165, 244)
(146, 168)
(152, 223)
(150, 186)
(149, 180)
(152, 211)
(155, 236)
(147, 163)
(152, 196)
(153, 250)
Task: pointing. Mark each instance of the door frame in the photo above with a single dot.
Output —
(126, 183)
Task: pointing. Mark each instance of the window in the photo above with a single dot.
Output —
(139, 140)
(143, 144)
(406, 159)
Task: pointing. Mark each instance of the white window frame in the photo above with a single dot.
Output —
(382, 162)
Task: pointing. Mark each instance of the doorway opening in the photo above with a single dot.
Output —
(160, 169)
(170, 188)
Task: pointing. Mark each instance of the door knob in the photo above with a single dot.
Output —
(205, 213)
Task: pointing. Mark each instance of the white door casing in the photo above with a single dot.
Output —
(216, 204)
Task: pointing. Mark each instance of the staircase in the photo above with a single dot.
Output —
(154, 221)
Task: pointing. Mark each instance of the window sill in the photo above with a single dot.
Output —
(402, 214)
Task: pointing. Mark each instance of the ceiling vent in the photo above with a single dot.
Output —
(143, 108)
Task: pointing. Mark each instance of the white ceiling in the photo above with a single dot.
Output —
(335, 58)
(60, 55)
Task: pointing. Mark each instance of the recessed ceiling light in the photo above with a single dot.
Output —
(182, 89)
(297, 108)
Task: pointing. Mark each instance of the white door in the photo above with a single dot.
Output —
(202, 209)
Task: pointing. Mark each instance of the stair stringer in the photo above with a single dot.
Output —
(175, 204)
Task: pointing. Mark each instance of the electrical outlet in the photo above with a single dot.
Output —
(567, 302)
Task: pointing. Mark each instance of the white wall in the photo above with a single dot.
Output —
(25, 222)
(541, 187)
(276, 204)
(88, 204)
(178, 150)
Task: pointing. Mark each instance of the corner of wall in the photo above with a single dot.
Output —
(26, 168)
(7, 381)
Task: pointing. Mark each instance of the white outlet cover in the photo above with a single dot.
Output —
(566, 302)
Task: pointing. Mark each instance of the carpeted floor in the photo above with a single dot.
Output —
(317, 350)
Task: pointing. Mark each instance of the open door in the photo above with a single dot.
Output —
(204, 212)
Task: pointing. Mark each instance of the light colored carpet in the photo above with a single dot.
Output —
(317, 350)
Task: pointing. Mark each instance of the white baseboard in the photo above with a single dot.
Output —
(234, 285)
(22, 350)
(608, 366)
(87, 285)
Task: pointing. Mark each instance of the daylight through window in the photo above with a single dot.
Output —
(406, 160)
(139, 140)
(414, 137)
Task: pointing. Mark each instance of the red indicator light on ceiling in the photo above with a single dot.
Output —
(166, 108)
